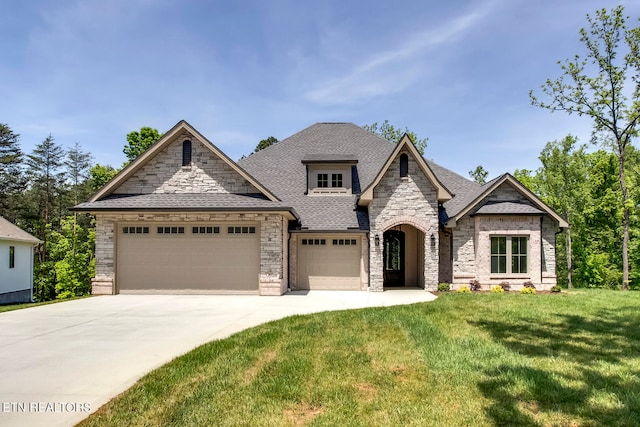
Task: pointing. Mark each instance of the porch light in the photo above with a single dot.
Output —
(377, 240)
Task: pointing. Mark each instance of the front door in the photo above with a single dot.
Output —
(393, 258)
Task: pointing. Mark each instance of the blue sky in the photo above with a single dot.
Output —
(457, 72)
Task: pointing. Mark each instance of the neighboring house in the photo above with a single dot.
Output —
(331, 207)
(16, 263)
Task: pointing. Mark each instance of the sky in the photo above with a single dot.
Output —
(456, 72)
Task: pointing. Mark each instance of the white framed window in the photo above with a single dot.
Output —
(323, 180)
(509, 254)
(336, 180)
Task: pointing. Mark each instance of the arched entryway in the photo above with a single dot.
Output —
(403, 257)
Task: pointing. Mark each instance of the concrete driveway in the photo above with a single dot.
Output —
(61, 362)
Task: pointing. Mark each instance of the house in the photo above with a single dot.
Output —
(332, 207)
(16, 263)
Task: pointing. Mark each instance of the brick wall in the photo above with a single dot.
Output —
(207, 173)
(410, 200)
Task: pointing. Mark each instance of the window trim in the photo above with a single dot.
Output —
(322, 180)
(509, 256)
(12, 257)
(336, 180)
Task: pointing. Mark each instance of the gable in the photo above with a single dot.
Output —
(159, 170)
(164, 172)
(405, 146)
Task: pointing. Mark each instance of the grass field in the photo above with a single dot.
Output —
(569, 359)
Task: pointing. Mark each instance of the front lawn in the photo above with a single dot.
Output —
(570, 359)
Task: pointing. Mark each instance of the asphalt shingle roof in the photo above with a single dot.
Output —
(202, 201)
(8, 231)
(508, 208)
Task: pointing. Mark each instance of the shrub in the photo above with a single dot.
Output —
(529, 284)
(505, 286)
(556, 288)
(464, 289)
(528, 290)
(444, 287)
(498, 289)
(475, 285)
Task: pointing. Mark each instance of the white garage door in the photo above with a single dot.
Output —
(187, 257)
(329, 262)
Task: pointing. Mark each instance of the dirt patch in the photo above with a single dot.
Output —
(303, 414)
(367, 391)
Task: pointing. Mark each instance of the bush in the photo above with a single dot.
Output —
(475, 285)
(529, 284)
(528, 290)
(505, 286)
(444, 287)
(556, 288)
(498, 289)
(464, 289)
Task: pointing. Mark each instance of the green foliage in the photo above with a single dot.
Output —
(393, 134)
(100, 175)
(497, 289)
(556, 289)
(71, 251)
(444, 287)
(138, 142)
(479, 174)
(464, 289)
(11, 175)
(267, 142)
(603, 85)
(529, 291)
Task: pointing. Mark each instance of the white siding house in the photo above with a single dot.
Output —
(16, 263)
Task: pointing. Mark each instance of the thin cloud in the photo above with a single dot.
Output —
(384, 73)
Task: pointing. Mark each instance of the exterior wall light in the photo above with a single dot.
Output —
(377, 240)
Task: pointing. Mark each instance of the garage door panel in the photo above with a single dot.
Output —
(334, 265)
(188, 261)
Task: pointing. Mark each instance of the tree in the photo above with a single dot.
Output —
(11, 175)
(479, 175)
(78, 165)
(138, 142)
(595, 87)
(100, 175)
(268, 142)
(393, 134)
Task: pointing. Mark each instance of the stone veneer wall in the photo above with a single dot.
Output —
(472, 250)
(273, 230)
(409, 200)
(164, 173)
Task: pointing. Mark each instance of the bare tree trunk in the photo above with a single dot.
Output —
(625, 227)
(569, 260)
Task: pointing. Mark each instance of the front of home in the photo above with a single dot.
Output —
(331, 207)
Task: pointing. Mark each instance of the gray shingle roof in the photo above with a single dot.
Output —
(510, 208)
(202, 201)
(8, 231)
(280, 168)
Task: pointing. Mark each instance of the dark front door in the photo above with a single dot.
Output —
(393, 258)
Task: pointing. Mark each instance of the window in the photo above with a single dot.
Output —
(323, 180)
(135, 230)
(505, 248)
(344, 242)
(170, 230)
(317, 242)
(12, 256)
(241, 230)
(186, 153)
(205, 230)
(404, 165)
(336, 180)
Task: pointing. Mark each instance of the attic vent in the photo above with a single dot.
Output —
(186, 153)
(404, 165)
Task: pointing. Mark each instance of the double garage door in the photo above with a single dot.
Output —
(189, 257)
(329, 262)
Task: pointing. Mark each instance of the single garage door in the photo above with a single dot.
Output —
(329, 262)
(186, 258)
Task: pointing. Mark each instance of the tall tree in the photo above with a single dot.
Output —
(393, 134)
(100, 175)
(11, 175)
(78, 165)
(594, 86)
(138, 142)
(267, 142)
(479, 174)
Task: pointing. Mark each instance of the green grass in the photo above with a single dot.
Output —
(570, 359)
(20, 306)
